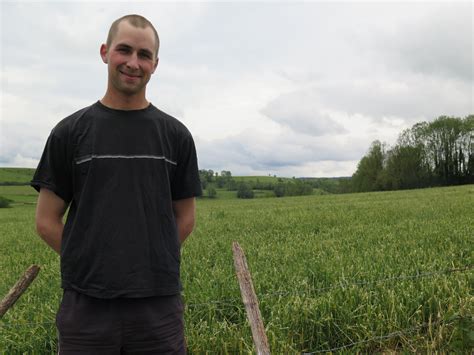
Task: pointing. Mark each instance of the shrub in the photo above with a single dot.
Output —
(293, 188)
(244, 191)
(4, 202)
(211, 192)
(231, 185)
(279, 189)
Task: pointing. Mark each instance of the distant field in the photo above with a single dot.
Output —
(16, 175)
(23, 194)
(24, 175)
(263, 179)
(223, 194)
(376, 272)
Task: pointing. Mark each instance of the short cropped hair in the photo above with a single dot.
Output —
(135, 21)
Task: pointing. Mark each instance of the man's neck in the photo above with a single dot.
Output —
(124, 102)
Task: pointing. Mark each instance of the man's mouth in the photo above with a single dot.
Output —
(130, 75)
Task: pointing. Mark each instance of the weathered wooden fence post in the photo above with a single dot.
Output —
(250, 301)
(17, 290)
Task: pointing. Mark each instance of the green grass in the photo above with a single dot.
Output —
(19, 194)
(262, 179)
(316, 261)
(16, 175)
(223, 194)
(24, 175)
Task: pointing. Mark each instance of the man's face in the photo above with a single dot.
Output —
(131, 59)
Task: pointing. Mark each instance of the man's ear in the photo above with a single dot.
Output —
(103, 52)
(156, 64)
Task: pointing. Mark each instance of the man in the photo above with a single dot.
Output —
(128, 173)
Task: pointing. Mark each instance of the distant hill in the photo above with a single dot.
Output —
(23, 176)
(263, 179)
(16, 176)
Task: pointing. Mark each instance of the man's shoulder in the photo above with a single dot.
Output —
(69, 122)
(171, 122)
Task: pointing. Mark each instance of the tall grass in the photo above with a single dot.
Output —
(329, 271)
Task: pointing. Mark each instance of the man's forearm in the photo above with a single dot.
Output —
(50, 210)
(185, 228)
(52, 234)
(184, 212)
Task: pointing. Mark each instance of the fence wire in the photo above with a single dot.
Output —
(235, 302)
(396, 334)
(376, 339)
(344, 285)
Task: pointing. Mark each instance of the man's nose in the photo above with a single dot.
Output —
(132, 61)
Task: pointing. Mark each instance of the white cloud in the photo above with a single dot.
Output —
(279, 151)
(216, 105)
(19, 161)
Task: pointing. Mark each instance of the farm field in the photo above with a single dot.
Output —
(368, 272)
(16, 175)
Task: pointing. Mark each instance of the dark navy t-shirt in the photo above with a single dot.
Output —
(120, 172)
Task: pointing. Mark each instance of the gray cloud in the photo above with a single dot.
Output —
(413, 97)
(438, 44)
(286, 150)
(293, 89)
(302, 112)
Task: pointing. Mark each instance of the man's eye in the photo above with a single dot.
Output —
(123, 50)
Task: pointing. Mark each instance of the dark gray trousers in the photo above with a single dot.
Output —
(151, 325)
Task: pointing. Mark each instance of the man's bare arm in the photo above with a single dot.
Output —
(49, 218)
(185, 214)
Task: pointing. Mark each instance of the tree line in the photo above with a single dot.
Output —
(437, 153)
(211, 180)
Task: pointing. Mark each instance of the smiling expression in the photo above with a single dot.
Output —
(131, 59)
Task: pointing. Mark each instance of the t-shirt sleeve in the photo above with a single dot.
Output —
(186, 181)
(54, 169)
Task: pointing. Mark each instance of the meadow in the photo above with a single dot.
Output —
(367, 272)
(16, 175)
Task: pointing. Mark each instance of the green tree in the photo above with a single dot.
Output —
(279, 189)
(206, 177)
(368, 176)
(244, 190)
(4, 202)
(406, 168)
(211, 192)
(435, 153)
(293, 188)
(443, 134)
(231, 185)
(224, 178)
(466, 150)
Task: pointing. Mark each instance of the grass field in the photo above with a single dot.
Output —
(262, 179)
(380, 272)
(16, 175)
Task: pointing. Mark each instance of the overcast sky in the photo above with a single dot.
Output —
(287, 88)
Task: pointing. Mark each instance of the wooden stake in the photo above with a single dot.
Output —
(17, 290)
(250, 300)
